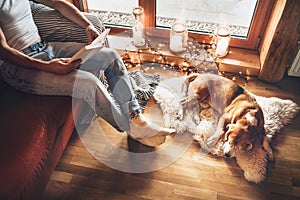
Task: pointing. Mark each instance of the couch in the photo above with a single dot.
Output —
(35, 129)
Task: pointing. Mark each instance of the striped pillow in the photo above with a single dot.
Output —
(53, 26)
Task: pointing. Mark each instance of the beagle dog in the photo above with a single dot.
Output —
(241, 120)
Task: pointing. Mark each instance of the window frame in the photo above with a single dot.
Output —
(256, 31)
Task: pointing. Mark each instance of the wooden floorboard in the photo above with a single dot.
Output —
(79, 175)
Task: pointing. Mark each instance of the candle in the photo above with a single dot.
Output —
(222, 47)
(138, 36)
(178, 37)
(176, 43)
(221, 40)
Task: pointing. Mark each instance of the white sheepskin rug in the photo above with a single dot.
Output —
(277, 114)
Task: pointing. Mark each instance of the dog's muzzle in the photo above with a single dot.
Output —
(228, 150)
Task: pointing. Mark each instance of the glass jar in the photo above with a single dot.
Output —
(221, 40)
(178, 37)
(138, 26)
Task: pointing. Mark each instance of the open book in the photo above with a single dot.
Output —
(87, 51)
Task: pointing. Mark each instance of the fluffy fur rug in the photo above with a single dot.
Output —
(277, 113)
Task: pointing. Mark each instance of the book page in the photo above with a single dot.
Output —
(87, 51)
(101, 38)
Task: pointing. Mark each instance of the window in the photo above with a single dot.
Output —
(113, 12)
(247, 18)
(203, 16)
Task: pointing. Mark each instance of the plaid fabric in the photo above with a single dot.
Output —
(144, 86)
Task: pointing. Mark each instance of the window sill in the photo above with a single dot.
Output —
(238, 60)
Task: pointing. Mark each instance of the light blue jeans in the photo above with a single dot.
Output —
(82, 83)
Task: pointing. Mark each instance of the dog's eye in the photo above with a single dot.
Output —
(248, 146)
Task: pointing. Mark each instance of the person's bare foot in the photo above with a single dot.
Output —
(148, 133)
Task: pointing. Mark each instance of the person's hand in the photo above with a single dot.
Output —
(62, 65)
(92, 33)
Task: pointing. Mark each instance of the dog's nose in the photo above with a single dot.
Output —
(227, 155)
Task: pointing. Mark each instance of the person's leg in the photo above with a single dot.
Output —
(108, 61)
(79, 84)
(119, 83)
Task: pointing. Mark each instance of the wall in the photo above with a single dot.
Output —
(280, 40)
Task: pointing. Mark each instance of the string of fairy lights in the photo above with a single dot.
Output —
(197, 58)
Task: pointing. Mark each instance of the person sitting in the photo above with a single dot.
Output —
(38, 67)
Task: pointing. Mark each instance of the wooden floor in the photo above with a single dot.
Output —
(79, 175)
